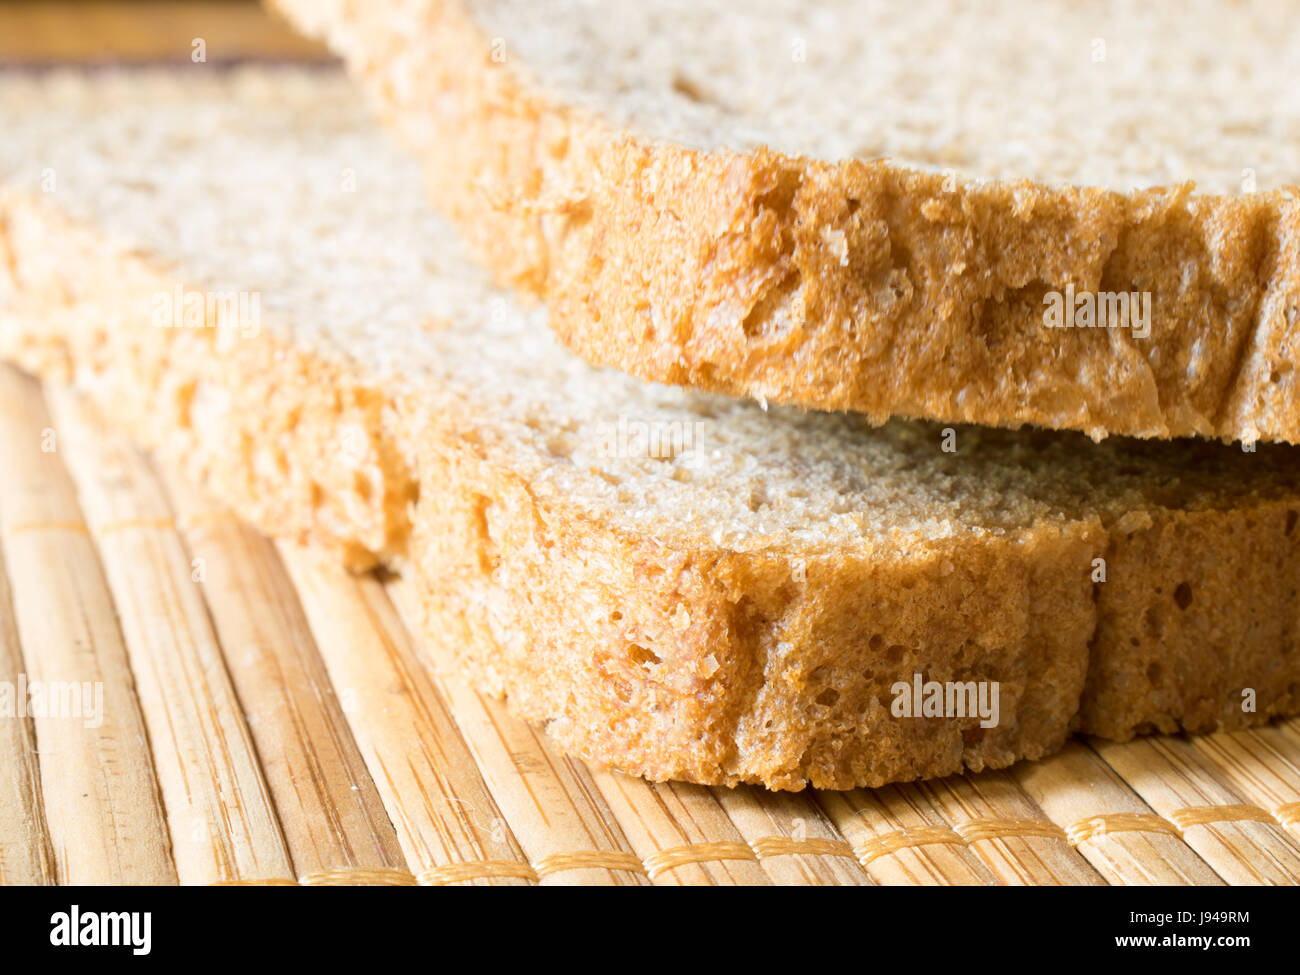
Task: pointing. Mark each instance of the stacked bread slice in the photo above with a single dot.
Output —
(242, 272)
(846, 205)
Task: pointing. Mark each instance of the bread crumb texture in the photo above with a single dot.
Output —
(858, 206)
(680, 584)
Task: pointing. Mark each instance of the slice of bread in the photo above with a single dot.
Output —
(682, 585)
(857, 205)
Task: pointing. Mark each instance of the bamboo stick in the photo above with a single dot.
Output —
(1007, 830)
(796, 843)
(1263, 764)
(553, 806)
(223, 827)
(1240, 841)
(25, 858)
(1109, 824)
(333, 820)
(901, 839)
(100, 794)
(680, 831)
(449, 827)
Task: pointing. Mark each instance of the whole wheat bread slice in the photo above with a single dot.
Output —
(682, 585)
(873, 206)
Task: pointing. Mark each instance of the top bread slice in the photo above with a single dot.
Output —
(874, 207)
(236, 268)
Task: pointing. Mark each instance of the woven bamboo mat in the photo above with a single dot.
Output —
(267, 718)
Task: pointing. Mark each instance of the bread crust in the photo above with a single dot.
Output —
(852, 285)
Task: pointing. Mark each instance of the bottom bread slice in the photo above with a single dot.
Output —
(237, 269)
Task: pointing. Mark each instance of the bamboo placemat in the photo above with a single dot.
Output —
(268, 719)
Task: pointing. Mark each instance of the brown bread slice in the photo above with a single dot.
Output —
(734, 606)
(864, 205)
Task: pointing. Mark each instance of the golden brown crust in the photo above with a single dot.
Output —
(853, 285)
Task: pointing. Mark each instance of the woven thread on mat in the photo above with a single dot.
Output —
(346, 877)
(776, 846)
(1288, 814)
(905, 839)
(1097, 826)
(977, 830)
(1205, 815)
(124, 525)
(22, 527)
(358, 878)
(459, 873)
(190, 522)
(678, 856)
(588, 860)
(134, 524)
(81, 528)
